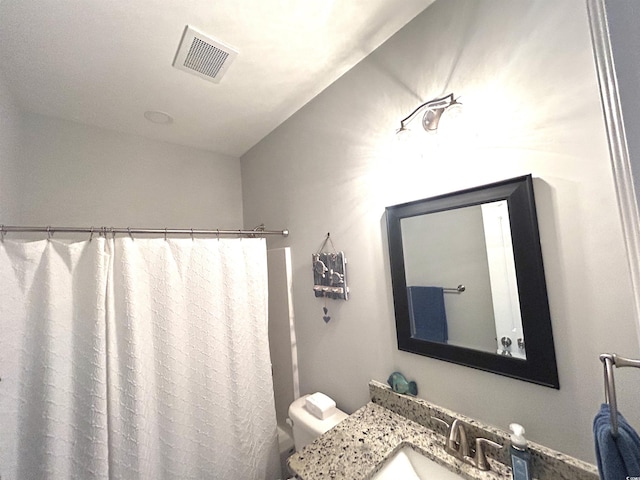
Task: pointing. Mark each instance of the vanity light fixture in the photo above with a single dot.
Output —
(433, 110)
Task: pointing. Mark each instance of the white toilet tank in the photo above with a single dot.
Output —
(307, 427)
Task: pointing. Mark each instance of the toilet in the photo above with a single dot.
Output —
(307, 426)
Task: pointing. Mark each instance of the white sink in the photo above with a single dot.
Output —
(407, 464)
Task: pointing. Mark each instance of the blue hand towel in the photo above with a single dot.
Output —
(427, 314)
(618, 457)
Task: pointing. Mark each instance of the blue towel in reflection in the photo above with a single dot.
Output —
(618, 457)
(427, 314)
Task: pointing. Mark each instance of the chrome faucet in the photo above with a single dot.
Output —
(457, 445)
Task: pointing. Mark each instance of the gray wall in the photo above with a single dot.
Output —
(9, 143)
(78, 175)
(526, 75)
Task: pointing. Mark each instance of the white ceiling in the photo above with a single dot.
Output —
(106, 62)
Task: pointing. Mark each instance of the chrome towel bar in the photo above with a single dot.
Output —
(610, 360)
(458, 289)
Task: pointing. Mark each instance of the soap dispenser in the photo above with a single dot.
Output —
(520, 456)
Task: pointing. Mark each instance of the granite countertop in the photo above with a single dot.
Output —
(356, 448)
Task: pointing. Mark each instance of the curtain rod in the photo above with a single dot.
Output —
(258, 231)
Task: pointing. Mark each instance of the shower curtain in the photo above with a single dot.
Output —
(135, 359)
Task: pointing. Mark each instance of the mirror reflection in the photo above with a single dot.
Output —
(468, 280)
(461, 285)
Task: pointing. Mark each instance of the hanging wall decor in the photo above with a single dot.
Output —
(329, 275)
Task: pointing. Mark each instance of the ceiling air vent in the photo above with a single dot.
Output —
(203, 56)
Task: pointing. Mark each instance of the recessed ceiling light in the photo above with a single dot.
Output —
(158, 117)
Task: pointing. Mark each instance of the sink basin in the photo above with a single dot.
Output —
(408, 464)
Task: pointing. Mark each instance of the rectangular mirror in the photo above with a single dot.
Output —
(468, 280)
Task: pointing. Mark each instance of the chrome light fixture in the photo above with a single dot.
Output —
(433, 110)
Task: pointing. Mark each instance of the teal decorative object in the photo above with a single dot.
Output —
(399, 384)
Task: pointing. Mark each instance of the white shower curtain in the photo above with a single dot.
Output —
(135, 359)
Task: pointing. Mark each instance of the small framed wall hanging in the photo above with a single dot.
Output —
(329, 275)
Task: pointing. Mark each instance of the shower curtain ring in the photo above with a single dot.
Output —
(2, 233)
(165, 234)
(91, 234)
(129, 232)
(192, 235)
(218, 233)
(49, 234)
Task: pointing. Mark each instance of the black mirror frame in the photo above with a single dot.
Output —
(540, 365)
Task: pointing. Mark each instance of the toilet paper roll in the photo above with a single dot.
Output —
(320, 405)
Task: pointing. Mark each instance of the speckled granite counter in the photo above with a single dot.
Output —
(357, 447)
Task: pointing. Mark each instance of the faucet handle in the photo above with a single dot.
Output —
(480, 460)
(446, 425)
